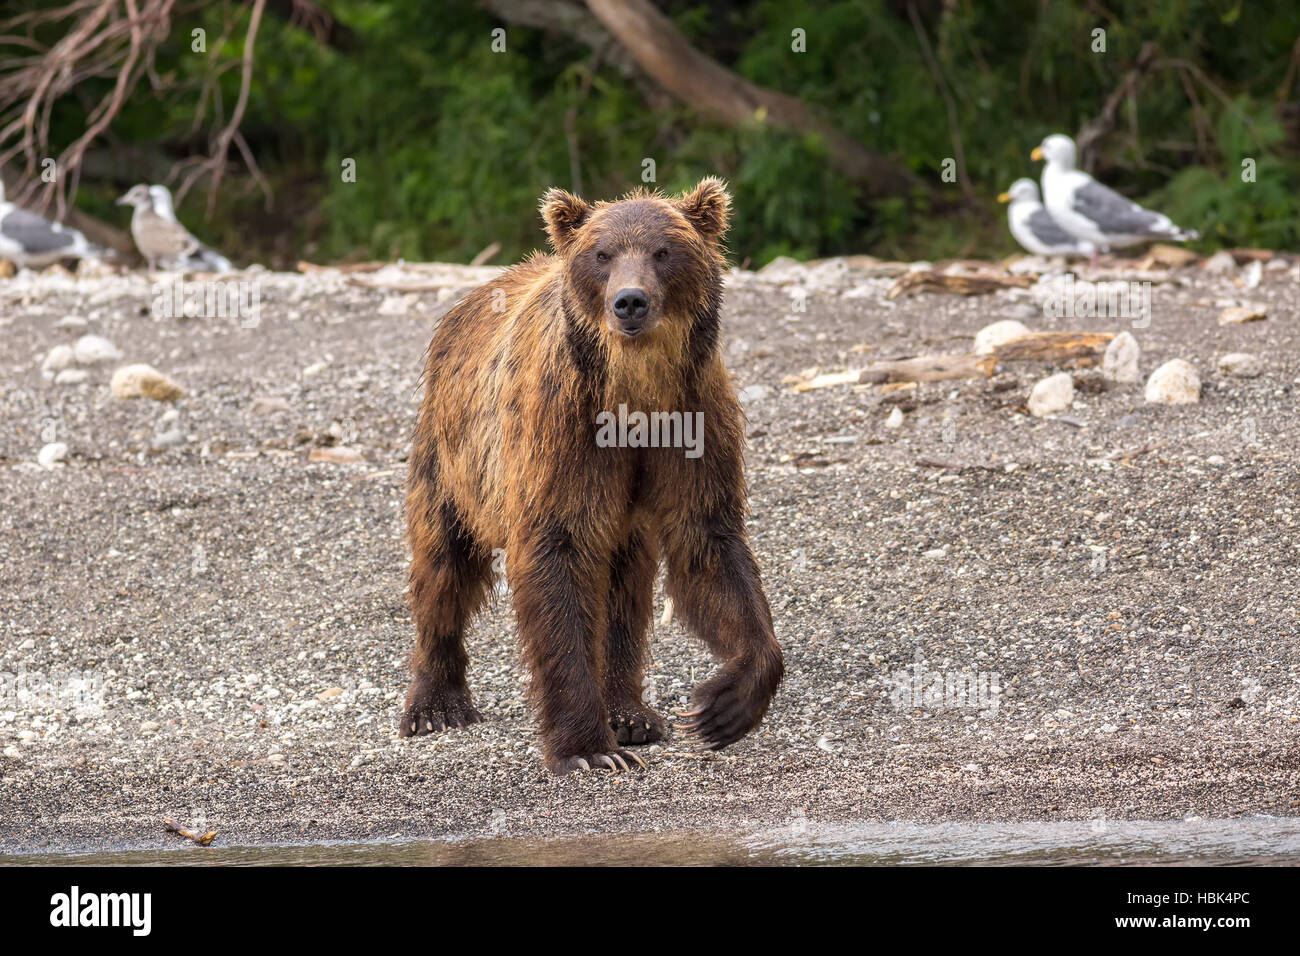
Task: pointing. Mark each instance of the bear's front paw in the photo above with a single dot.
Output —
(431, 708)
(613, 760)
(636, 724)
(731, 703)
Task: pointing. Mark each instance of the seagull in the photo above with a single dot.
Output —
(205, 259)
(1088, 210)
(155, 236)
(1034, 228)
(31, 240)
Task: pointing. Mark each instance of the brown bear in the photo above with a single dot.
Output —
(513, 450)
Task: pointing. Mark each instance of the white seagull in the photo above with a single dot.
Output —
(1034, 228)
(30, 240)
(1088, 210)
(204, 258)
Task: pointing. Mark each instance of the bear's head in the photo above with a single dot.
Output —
(644, 263)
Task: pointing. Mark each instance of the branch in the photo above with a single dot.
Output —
(713, 90)
(215, 165)
(1093, 130)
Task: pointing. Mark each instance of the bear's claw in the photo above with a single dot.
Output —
(429, 711)
(725, 708)
(632, 727)
(614, 760)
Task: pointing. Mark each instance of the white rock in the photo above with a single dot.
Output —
(1239, 314)
(92, 349)
(399, 304)
(59, 358)
(1254, 273)
(753, 393)
(1053, 394)
(1120, 363)
(1221, 261)
(55, 451)
(1175, 383)
(1240, 365)
(895, 419)
(828, 274)
(144, 381)
(991, 336)
(71, 376)
(783, 269)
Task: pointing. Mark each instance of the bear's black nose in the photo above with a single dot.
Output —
(631, 304)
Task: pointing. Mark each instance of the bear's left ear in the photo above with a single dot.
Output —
(562, 213)
(707, 207)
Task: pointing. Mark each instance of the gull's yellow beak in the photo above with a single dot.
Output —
(1037, 153)
(1004, 197)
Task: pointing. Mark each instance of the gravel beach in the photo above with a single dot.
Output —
(202, 610)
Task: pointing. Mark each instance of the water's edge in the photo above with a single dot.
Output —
(1254, 840)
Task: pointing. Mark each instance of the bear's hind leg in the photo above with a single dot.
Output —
(450, 574)
(631, 589)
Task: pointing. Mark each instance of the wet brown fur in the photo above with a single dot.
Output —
(505, 456)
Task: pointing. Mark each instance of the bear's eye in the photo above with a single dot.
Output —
(602, 257)
(661, 255)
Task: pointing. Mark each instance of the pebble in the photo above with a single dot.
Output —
(174, 438)
(1238, 314)
(144, 381)
(266, 404)
(1221, 261)
(55, 451)
(991, 336)
(398, 304)
(1053, 394)
(71, 376)
(59, 358)
(93, 349)
(1253, 274)
(1240, 365)
(1120, 363)
(330, 692)
(149, 726)
(28, 736)
(1175, 383)
(753, 393)
(895, 419)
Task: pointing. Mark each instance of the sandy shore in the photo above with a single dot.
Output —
(197, 621)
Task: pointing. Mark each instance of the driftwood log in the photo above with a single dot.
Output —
(928, 368)
(1083, 348)
(1070, 349)
(960, 283)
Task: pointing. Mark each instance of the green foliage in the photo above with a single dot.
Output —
(1227, 205)
(453, 143)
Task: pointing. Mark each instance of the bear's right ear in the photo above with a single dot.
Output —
(562, 213)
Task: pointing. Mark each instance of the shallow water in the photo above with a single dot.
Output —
(1255, 840)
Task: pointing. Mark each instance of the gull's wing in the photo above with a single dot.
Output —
(35, 234)
(1113, 214)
